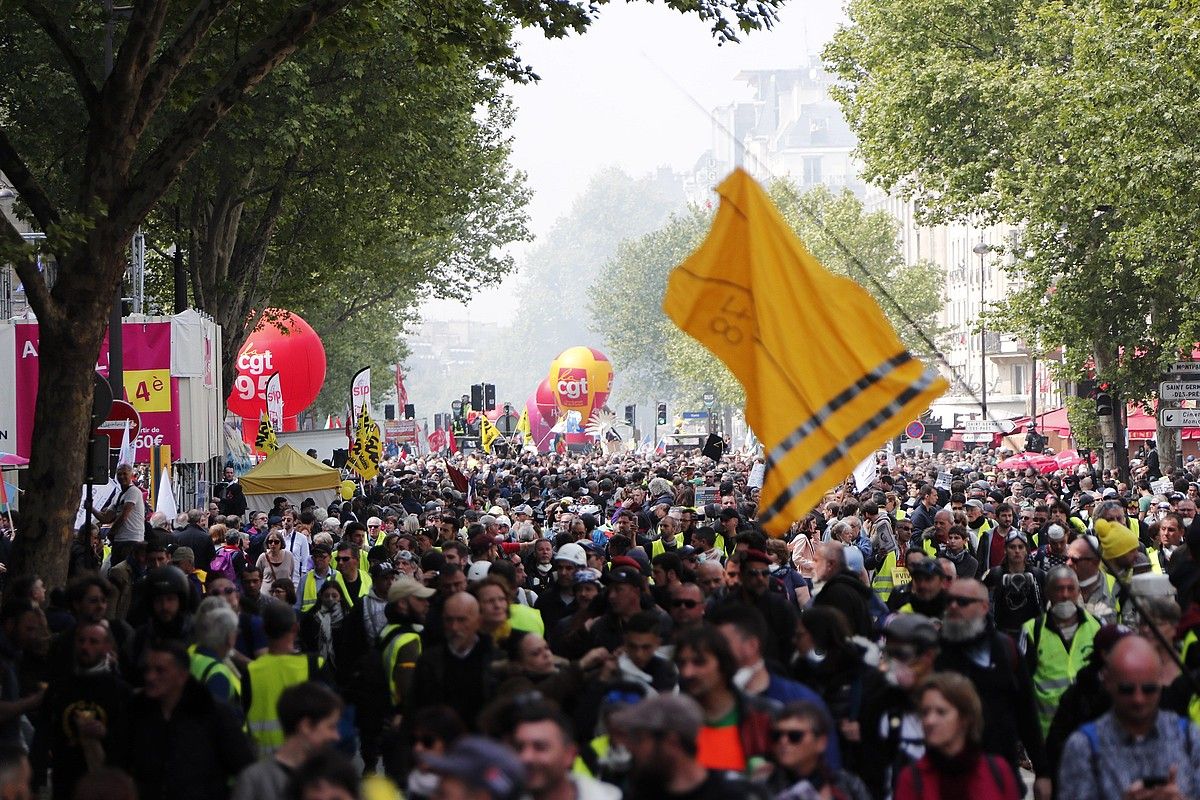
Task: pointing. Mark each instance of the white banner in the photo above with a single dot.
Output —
(866, 473)
(275, 402)
(360, 392)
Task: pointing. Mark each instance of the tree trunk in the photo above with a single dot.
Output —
(67, 353)
(1167, 440)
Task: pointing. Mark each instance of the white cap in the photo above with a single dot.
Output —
(572, 553)
(1056, 532)
(478, 571)
(503, 520)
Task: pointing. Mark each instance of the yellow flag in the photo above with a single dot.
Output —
(523, 426)
(367, 450)
(266, 440)
(827, 379)
(488, 433)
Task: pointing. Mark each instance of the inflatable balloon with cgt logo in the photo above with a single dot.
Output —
(580, 378)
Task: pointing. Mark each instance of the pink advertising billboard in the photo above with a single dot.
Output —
(149, 387)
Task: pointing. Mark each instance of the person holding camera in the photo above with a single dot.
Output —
(1015, 586)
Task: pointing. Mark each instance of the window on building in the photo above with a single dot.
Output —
(1018, 379)
(812, 170)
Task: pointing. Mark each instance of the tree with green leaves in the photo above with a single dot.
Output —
(92, 148)
(834, 227)
(1069, 121)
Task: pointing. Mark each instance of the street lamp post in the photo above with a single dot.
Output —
(982, 249)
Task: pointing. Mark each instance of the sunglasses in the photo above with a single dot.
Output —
(685, 603)
(793, 736)
(344, 559)
(963, 602)
(1148, 689)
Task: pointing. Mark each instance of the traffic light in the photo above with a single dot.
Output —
(409, 411)
(630, 415)
(477, 396)
(1104, 404)
(489, 397)
(662, 413)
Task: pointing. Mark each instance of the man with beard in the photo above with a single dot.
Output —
(544, 741)
(972, 647)
(661, 734)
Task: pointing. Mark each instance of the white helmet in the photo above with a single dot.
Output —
(478, 571)
(572, 554)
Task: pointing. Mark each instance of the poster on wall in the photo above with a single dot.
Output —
(148, 384)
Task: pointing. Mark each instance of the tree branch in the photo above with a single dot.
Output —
(13, 167)
(174, 59)
(70, 56)
(166, 162)
(31, 277)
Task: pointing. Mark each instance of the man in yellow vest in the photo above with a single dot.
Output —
(270, 674)
(216, 632)
(355, 580)
(1058, 643)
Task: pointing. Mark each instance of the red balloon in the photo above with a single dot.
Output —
(297, 355)
(546, 404)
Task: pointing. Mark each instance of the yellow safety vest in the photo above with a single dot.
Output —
(308, 597)
(657, 548)
(1056, 666)
(204, 667)
(526, 618)
(399, 639)
(890, 577)
(268, 676)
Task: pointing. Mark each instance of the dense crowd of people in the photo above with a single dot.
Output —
(579, 627)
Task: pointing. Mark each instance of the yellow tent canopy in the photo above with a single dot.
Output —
(289, 473)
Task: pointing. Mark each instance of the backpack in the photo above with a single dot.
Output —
(222, 564)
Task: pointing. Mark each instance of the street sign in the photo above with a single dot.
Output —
(977, 437)
(988, 426)
(709, 399)
(507, 423)
(114, 427)
(1185, 368)
(1179, 390)
(1179, 417)
(694, 415)
(915, 430)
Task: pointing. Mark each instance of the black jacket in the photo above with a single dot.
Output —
(464, 684)
(190, 756)
(850, 596)
(1006, 689)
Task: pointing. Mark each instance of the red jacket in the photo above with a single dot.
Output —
(988, 778)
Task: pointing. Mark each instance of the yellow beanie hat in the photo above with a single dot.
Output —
(1115, 539)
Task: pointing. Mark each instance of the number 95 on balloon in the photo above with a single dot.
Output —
(148, 390)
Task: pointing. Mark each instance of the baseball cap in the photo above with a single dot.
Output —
(587, 575)
(625, 574)
(927, 568)
(662, 713)
(482, 764)
(1085, 498)
(522, 509)
(183, 554)
(915, 629)
(478, 571)
(405, 586)
(406, 555)
(973, 503)
(1109, 492)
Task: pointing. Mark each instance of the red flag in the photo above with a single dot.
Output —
(451, 442)
(457, 478)
(437, 440)
(401, 392)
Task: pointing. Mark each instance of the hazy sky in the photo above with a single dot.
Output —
(632, 92)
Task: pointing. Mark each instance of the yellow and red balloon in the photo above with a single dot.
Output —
(580, 378)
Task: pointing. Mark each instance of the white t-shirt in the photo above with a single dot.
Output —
(133, 527)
